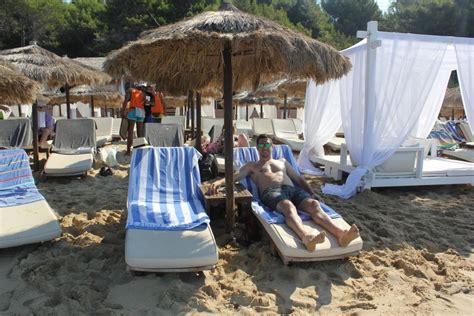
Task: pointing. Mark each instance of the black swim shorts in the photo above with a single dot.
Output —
(273, 195)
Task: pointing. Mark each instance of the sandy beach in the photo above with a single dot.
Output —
(417, 259)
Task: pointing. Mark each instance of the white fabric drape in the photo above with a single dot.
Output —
(465, 59)
(405, 72)
(322, 106)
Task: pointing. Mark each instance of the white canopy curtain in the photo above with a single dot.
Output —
(404, 71)
(322, 108)
(465, 57)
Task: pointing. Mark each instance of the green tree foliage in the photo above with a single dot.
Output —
(435, 17)
(349, 16)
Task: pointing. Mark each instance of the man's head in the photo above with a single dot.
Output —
(264, 146)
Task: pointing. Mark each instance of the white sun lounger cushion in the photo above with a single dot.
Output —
(27, 223)
(149, 249)
(463, 154)
(262, 126)
(59, 164)
(290, 245)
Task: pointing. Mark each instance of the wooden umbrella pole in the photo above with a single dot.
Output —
(228, 137)
(197, 144)
(19, 110)
(261, 110)
(246, 112)
(285, 107)
(35, 136)
(68, 106)
(191, 108)
(92, 106)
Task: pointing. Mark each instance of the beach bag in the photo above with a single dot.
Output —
(108, 155)
(208, 167)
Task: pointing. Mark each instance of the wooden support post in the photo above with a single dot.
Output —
(246, 112)
(198, 122)
(285, 107)
(261, 110)
(35, 136)
(92, 106)
(191, 109)
(228, 137)
(68, 105)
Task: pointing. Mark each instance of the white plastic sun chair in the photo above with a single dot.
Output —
(244, 127)
(285, 132)
(176, 119)
(466, 130)
(164, 135)
(167, 226)
(116, 128)
(285, 241)
(208, 122)
(73, 148)
(263, 126)
(335, 143)
(298, 125)
(104, 131)
(462, 154)
(25, 216)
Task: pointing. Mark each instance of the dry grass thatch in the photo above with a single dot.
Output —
(44, 66)
(14, 87)
(105, 95)
(453, 99)
(188, 55)
(278, 88)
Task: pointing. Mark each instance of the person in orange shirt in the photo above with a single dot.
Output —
(135, 98)
(155, 107)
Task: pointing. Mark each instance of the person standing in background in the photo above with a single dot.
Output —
(135, 98)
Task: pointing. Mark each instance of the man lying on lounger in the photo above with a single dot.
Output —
(274, 179)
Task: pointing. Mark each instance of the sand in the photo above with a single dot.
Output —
(417, 259)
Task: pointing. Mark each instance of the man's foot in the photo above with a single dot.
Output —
(310, 241)
(349, 235)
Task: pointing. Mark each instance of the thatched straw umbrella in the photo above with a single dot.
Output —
(15, 88)
(237, 48)
(47, 68)
(283, 88)
(452, 102)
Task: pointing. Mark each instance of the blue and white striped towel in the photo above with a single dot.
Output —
(247, 154)
(17, 186)
(163, 190)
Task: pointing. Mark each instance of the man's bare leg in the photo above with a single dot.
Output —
(292, 219)
(45, 132)
(140, 129)
(131, 125)
(313, 208)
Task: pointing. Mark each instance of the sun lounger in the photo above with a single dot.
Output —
(263, 126)
(285, 132)
(15, 133)
(466, 130)
(335, 143)
(298, 125)
(462, 154)
(73, 148)
(164, 135)
(25, 216)
(104, 130)
(167, 226)
(208, 122)
(286, 242)
(177, 119)
(244, 127)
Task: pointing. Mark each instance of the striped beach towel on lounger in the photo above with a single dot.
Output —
(163, 191)
(17, 186)
(244, 155)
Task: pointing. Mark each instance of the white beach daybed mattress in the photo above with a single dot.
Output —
(28, 223)
(171, 251)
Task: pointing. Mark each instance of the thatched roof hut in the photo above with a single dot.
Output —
(452, 103)
(46, 67)
(105, 95)
(230, 47)
(188, 55)
(15, 88)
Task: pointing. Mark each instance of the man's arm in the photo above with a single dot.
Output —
(242, 173)
(300, 180)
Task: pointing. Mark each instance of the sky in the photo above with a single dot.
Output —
(383, 4)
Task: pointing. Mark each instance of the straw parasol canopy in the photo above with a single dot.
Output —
(281, 87)
(229, 49)
(188, 55)
(48, 68)
(452, 103)
(15, 88)
(105, 95)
